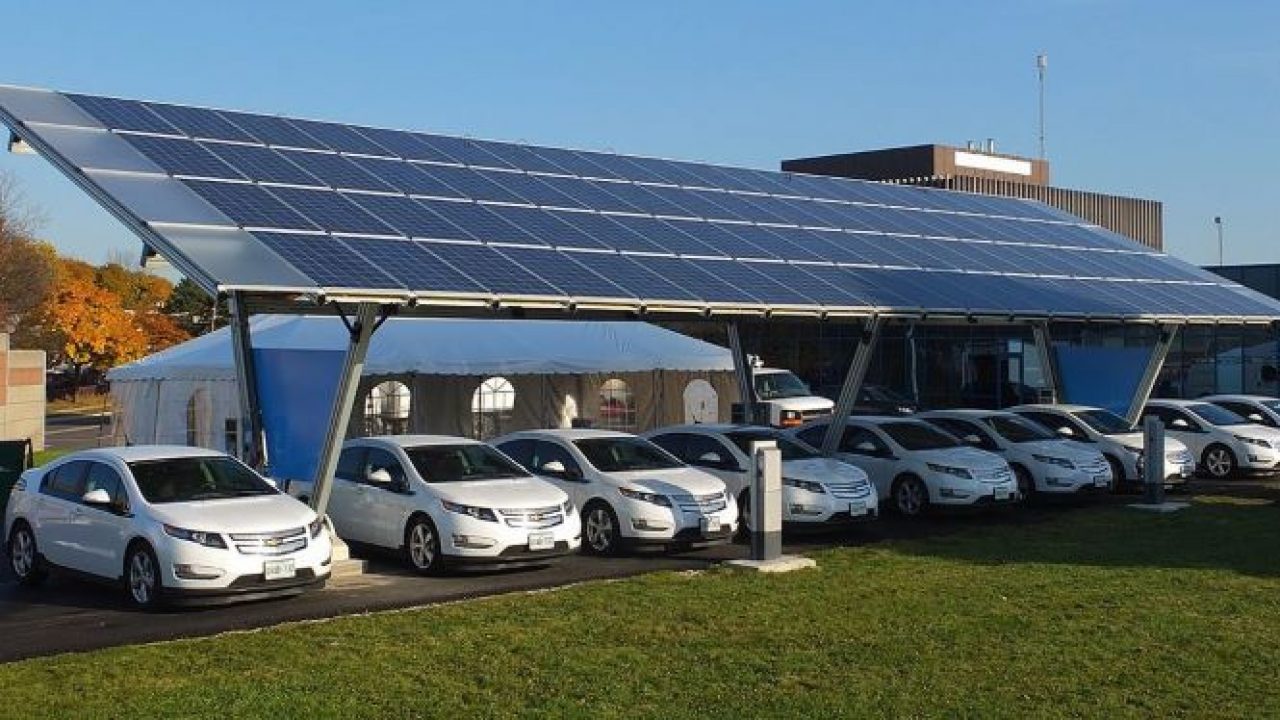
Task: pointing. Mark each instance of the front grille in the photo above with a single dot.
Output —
(702, 504)
(849, 491)
(534, 518)
(1096, 467)
(995, 476)
(279, 542)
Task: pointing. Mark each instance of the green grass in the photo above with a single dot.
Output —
(1099, 612)
(48, 455)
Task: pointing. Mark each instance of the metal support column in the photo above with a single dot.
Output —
(1048, 360)
(251, 441)
(852, 383)
(742, 372)
(344, 399)
(1143, 392)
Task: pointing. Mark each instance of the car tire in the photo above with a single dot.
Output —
(142, 585)
(744, 513)
(1219, 461)
(1118, 480)
(24, 556)
(600, 532)
(1026, 483)
(910, 496)
(422, 546)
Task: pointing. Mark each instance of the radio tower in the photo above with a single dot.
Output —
(1042, 64)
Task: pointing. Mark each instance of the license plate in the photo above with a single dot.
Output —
(542, 541)
(1003, 493)
(278, 570)
(857, 508)
(1101, 481)
(710, 525)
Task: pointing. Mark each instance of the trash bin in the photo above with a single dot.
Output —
(15, 456)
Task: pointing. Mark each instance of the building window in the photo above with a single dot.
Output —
(491, 406)
(617, 406)
(386, 409)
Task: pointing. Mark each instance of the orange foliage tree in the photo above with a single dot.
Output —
(89, 326)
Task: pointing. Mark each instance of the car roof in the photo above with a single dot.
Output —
(410, 441)
(1174, 402)
(1061, 407)
(882, 419)
(717, 428)
(1236, 396)
(138, 453)
(962, 412)
(567, 434)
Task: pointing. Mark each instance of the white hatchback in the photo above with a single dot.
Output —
(918, 465)
(173, 524)
(631, 491)
(815, 490)
(447, 501)
(1042, 461)
(1221, 440)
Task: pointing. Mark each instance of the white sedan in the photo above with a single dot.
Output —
(918, 465)
(631, 491)
(1260, 409)
(445, 501)
(173, 523)
(815, 490)
(1223, 441)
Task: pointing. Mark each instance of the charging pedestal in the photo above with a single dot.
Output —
(765, 510)
(1153, 470)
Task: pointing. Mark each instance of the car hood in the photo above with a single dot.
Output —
(1061, 448)
(804, 403)
(822, 470)
(508, 493)
(1249, 430)
(676, 481)
(263, 513)
(965, 457)
(1133, 441)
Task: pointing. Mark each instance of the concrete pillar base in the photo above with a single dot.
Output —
(1164, 507)
(345, 566)
(781, 564)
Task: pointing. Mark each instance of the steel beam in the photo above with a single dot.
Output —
(1048, 360)
(344, 399)
(1143, 392)
(852, 383)
(742, 373)
(251, 443)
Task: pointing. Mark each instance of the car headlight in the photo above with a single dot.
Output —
(479, 513)
(1253, 441)
(200, 537)
(1051, 460)
(648, 497)
(316, 527)
(567, 507)
(806, 485)
(950, 470)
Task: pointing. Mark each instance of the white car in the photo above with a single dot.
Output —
(918, 465)
(172, 523)
(1260, 409)
(1118, 441)
(1221, 440)
(448, 501)
(631, 491)
(1042, 461)
(815, 490)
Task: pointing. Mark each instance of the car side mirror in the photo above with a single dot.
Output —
(379, 477)
(866, 448)
(1180, 424)
(1254, 417)
(972, 440)
(711, 459)
(553, 467)
(97, 498)
(1065, 431)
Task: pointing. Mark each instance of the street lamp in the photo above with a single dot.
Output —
(1217, 220)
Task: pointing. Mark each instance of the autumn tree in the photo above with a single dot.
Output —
(26, 265)
(90, 327)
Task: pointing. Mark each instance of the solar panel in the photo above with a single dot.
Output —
(512, 222)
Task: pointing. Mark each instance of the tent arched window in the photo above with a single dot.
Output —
(701, 402)
(386, 409)
(491, 406)
(617, 406)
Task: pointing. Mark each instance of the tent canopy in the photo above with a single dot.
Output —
(448, 347)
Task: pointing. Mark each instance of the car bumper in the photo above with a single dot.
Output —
(688, 537)
(643, 524)
(467, 540)
(801, 507)
(948, 494)
(246, 588)
(516, 555)
(196, 571)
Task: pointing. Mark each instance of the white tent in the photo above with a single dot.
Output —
(426, 375)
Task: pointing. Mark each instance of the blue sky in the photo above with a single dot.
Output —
(1176, 101)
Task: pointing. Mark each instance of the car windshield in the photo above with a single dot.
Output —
(775, 385)
(461, 463)
(1016, 430)
(173, 480)
(623, 454)
(1105, 422)
(1272, 405)
(1215, 415)
(791, 450)
(918, 436)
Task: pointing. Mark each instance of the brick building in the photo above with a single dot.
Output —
(22, 394)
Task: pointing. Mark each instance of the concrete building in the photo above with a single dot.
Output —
(22, 396)
(982, 170)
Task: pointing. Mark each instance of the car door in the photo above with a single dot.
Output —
(101, 531)
(60, 493)
(379, 506)
(867, 450)
(1182, 426)
(572, 479)
(342, 499)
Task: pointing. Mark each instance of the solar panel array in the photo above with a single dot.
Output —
(369, 209)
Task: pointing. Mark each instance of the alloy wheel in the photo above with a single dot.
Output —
(422, 550)
(1218, 462)
(909, 497)
(600, 529)
(142, 578)
(22, 553)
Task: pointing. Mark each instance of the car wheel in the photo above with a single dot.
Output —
(910, 496)
(422, 545)
(1117, 474)
(600, 529)
(142, 577)
(744, 512)
(24, 557)
(1026, 483)
(1219, 462)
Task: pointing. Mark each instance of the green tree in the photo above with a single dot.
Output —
(194, 310)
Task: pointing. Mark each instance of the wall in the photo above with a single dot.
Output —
(22, 394)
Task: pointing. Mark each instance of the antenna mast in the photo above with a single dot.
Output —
(1042, 64)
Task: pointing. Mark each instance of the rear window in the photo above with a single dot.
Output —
(190, 479)
(461, 463)
(1216, 415)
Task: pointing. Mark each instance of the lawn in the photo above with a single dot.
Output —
(1094, 612)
